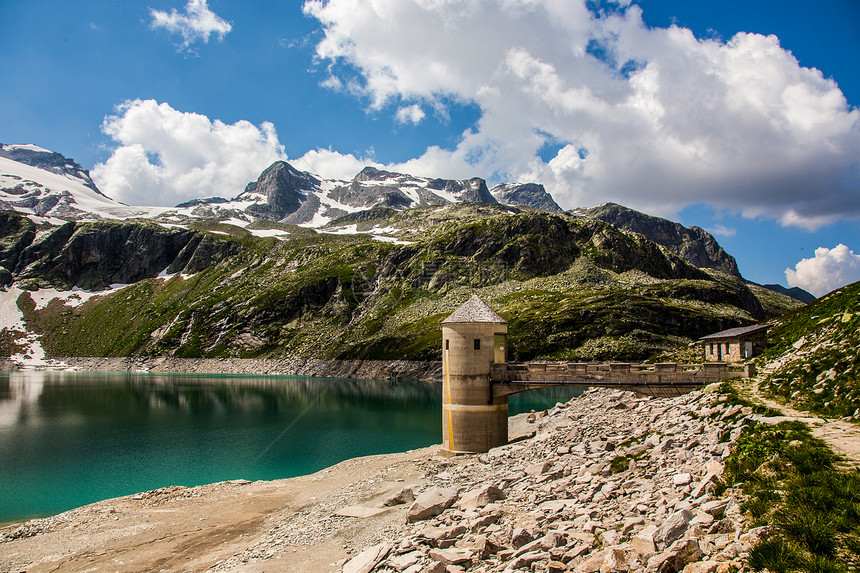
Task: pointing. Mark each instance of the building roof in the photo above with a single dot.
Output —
(736, 332)
(474, 310)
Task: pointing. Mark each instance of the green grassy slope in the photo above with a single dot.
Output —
(571, 288)
(815, 355)
(793, 484)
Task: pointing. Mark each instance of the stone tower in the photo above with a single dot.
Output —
(473, 338)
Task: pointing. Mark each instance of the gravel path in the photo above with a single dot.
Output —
(842, 437)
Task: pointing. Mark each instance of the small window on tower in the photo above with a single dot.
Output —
(477, 344)
(446, 344)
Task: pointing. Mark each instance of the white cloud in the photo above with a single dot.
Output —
(411, 114)
(167, 156)
(197, 23)
(791, 218)
(659, 121)
(827, 271)
(333, 165)
(723, 231)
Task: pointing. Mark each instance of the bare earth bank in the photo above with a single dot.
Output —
(205, 527)
(311, 367)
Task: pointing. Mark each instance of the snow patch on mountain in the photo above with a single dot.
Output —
(25, 147)
(59, 192)
(45, 185)
(12, 323)
(71, 298)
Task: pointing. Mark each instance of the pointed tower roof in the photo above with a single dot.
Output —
(474, 310)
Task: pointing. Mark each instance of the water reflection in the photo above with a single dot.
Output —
(67, 439)
(18, 393)
(27, 396)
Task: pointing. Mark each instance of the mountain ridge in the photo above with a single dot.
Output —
(692, 243)
(295, 265)
(286, 194)
(570, 287)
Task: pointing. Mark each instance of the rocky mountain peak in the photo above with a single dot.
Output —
(525, 194)
(51, 161)
(43, 183)
(280, 190)
(374, 174)
(693, 244)
(472, 190)
(40, 182)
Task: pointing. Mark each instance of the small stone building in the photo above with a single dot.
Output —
(735, 344)
(474, 337)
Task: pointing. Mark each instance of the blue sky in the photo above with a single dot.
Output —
(599, 101)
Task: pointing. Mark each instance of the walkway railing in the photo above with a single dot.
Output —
(663, 379)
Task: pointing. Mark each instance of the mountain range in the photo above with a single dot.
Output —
(299, 265)
(42, 183)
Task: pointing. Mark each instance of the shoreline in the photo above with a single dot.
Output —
(310, 367)
(554, 497)
(518, 430)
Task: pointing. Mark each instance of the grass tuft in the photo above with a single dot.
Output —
(774, 555)
(818, 564)
(619, 464)
(792, 483)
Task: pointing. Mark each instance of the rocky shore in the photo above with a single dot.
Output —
(312, 367)
(608, 482)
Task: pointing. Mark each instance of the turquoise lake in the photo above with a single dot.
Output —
(69, 439)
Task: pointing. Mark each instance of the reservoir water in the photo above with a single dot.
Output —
(69, 439)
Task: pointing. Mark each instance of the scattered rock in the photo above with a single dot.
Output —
(676, 557)
(520, 537)
(643, 542)
(406, 495)
(592, 563)
(702, 567)
(546, 503)
(715, 507)
(451, 556)
(538, 469)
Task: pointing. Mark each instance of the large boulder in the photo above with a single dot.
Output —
(643, 542)
(405, 495)
(480, 497)
(365, 561)
(452, 556)
(673, 528)
(431, 503)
